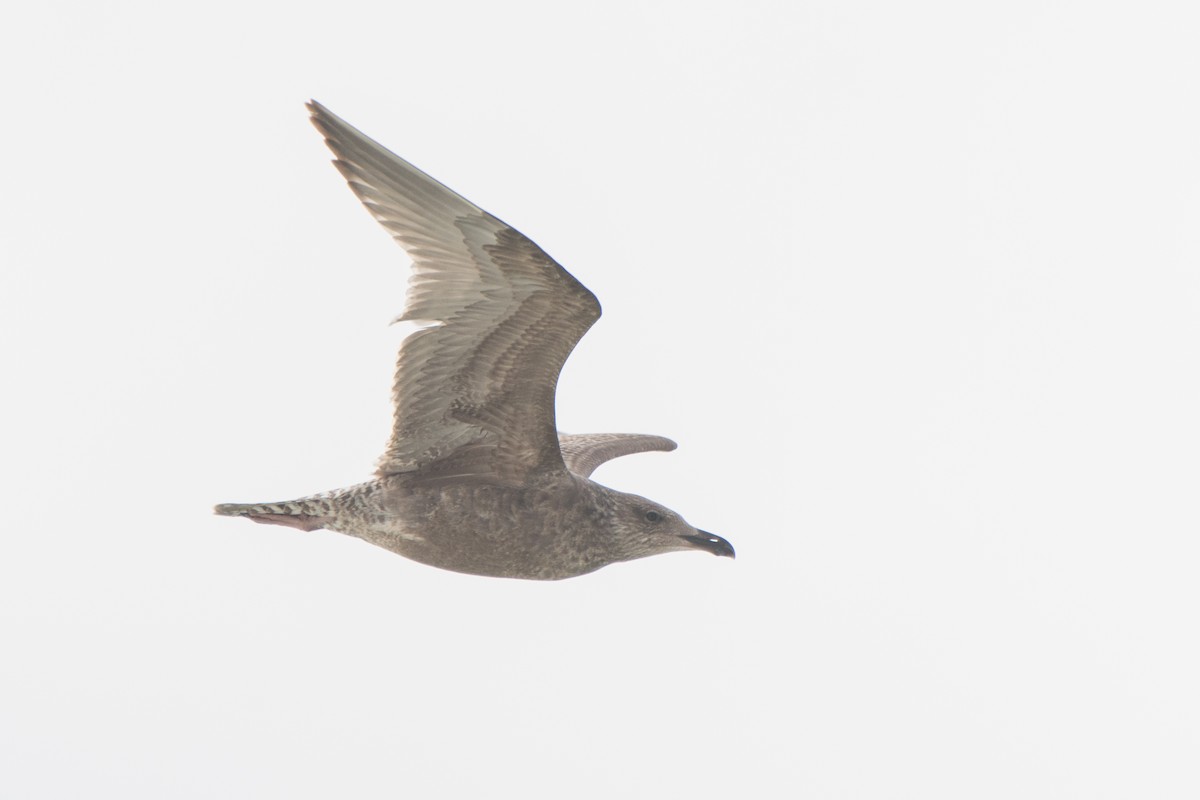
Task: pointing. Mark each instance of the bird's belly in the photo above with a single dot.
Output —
(480, 530)
(478, 547)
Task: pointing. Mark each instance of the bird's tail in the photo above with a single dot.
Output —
(306, 513)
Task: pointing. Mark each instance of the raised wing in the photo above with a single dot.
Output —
(583, 452)
(474, 395)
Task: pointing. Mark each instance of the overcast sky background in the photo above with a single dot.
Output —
(914, 285)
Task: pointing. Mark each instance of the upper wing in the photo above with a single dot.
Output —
(474, 395)
(583, 452)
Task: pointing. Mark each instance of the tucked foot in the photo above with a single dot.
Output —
(302, 522)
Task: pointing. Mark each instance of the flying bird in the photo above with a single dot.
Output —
(476, 477)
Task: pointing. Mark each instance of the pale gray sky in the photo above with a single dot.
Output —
(915, 286)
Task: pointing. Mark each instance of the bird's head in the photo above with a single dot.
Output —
(646, 528)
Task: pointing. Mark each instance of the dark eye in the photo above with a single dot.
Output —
(653, 516)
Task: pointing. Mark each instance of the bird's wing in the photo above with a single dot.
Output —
(583, 452)
(473, 393)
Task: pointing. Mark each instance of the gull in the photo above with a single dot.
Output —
(476, 478)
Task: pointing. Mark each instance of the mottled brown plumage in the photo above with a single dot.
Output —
(476, 478)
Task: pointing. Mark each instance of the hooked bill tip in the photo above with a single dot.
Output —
(712, 543)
